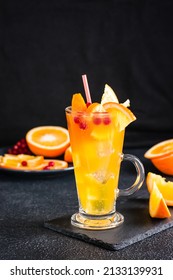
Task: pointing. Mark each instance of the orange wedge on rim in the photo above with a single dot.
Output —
(161, 155)
(95, 108)
(48, 141)
(124, 115)
(165, 187)
(78, 104)
(157, 204)
(109, 95)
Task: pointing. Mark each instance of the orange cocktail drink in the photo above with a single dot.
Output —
(97, 146)
(96, 136)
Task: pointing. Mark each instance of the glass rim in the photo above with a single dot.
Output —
(69, 110)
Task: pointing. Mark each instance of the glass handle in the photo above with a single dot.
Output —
(139, 178)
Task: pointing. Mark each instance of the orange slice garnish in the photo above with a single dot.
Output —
(165, 187)
(78, 104)
(95, 107)
(122, 114)
(109, 95)
(48, 141)
(157, 204)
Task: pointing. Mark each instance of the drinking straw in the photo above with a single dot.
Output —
(86, 88)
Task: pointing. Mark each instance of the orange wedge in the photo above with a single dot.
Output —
(26, 162)
(78, 104)
(124, 116)
(21, 161)
(54, 164)
(161, 155)
(157, 204)
(165, 187)
(95, 107)
(48, 141)
(109, 95)
(10, 161)
(68, 155)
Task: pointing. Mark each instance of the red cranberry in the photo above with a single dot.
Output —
(76, 119)
(82, 125)
(20, 147)
(107, 120)
(51, 163)
(24, 163)
(46, 167)
(88, 104)
(97, 120)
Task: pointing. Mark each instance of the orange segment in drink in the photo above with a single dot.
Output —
(48, 141)
(157, 204)
(124, 116)
(165, 187)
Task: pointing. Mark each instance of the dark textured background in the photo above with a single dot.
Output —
(46, 46)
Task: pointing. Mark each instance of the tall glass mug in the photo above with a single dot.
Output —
(97, 147)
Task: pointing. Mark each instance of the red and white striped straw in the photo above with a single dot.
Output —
(86, 88)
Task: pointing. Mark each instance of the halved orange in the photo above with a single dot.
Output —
(161, 155)
(163, 148)
(165, 187)
(68, 155)
(124, 116)
(78, 104)
(164, 164)
(48, 141)
(157, 204)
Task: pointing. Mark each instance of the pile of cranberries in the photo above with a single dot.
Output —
(20, 147)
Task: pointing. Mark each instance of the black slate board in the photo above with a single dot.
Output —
(137, 226)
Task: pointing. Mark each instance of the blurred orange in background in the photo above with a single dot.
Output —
(161, 155)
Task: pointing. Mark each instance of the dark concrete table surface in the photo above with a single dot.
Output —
(26, 202)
